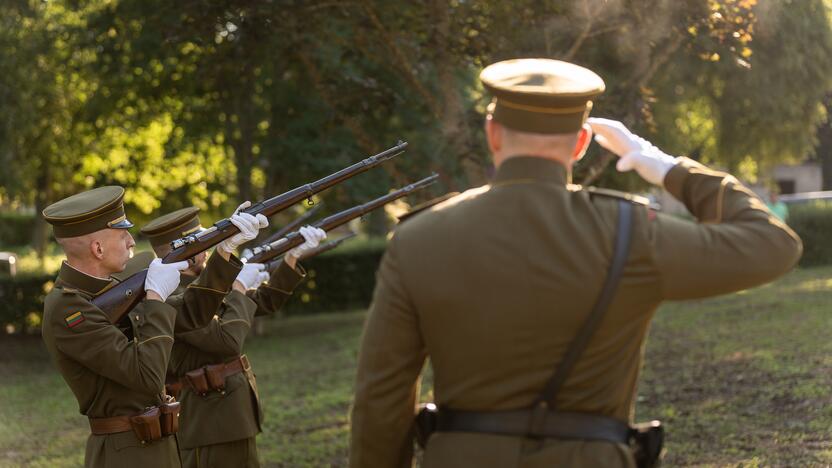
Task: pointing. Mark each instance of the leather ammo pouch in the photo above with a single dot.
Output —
(169, 418)
(198, 381)
(542, 420)
(210, 377)
(146, 425)
(215, 376)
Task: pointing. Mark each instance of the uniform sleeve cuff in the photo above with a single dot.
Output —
(219, 273)
(286, 278)
(674, 181)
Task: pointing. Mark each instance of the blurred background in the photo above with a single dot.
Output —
(210, 103)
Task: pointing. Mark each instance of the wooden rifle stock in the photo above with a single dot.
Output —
(266, 252)
(120, 299)
(117, 301)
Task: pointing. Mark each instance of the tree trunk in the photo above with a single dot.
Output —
(456, 134)
(239, 138)
(43, 196)
(824, 148)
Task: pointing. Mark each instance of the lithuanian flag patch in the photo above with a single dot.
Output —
(74, 320)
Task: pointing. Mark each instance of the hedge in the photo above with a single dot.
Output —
(335, 281)
(16, 229)
(21, 302)
(813, 223)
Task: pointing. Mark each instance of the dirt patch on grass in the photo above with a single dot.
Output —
(733, 410)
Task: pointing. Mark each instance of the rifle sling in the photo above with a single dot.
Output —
(620, 254)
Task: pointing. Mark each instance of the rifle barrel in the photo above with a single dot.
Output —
(293, 225)
(266, 252)
(325, 247)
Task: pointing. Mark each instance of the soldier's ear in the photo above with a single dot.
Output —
(97, 249)
(584, 139)
(494, 135)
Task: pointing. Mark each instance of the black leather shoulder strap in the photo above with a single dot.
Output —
(576, 348)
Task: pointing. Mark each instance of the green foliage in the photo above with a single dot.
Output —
(15, 229)
(813, 223)
(210, 103)
(21, 303)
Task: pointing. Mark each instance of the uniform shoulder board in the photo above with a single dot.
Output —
(426, 205)
(603, 192)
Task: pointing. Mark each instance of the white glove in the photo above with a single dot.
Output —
(163, 278)
(249, 227)
(633, 151)
(312, 237)
(252, 275)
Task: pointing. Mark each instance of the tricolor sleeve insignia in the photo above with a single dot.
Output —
(75, 319)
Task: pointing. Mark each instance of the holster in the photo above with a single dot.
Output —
(146, 425)
(425, 423)
(646, 442)
(169, 418)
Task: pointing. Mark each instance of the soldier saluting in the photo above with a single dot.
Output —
(118, 378)
(532, 297)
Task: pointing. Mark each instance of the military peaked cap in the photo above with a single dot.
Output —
(541, 95)
(87, 212)
(172, 226)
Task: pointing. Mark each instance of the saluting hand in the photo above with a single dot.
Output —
(634, 152)
(163, 278)
(248, 225)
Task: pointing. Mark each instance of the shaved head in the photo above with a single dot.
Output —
(565, 148)
(100, 253)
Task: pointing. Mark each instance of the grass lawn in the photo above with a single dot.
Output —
(740, 380)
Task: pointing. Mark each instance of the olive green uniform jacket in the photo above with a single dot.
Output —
(218, 418)
(494, 284)
(111, 375)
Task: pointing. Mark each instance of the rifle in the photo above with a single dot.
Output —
(325, 247)
(117, 301)
(292, 225)
(266, 252)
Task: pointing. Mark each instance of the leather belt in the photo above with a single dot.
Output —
(555, 424)
(222, 370)
(113, 425)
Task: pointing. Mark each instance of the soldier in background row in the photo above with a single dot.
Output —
(221, 411)
(118, 378)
